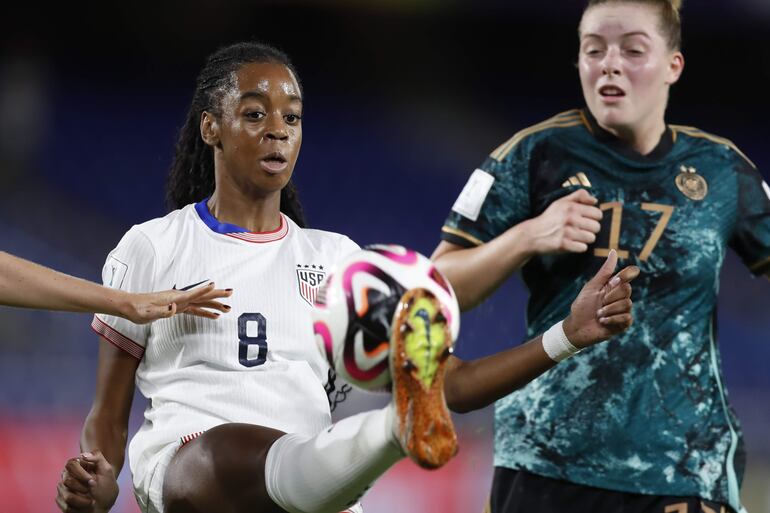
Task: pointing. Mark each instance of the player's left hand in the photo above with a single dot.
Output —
(603, 307)
(201, 302)
(73, 493)
(103, 485)
(87, 485)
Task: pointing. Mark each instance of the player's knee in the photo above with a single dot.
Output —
(190, 483)
(237, 451)
(222, 470)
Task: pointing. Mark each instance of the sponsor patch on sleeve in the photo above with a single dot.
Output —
(474, 193)
(114, 273)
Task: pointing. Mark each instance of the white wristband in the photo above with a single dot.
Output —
(556, 344)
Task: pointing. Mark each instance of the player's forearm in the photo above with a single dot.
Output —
(28, 285)
(107, 435)
(477, 272)
(475, 384)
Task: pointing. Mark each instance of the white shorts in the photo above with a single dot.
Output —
(148, 488)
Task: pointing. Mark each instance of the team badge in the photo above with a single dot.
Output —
(309, 277)
(691, 184)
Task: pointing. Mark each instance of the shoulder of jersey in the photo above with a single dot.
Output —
(158, 228)
(320, 238)
(565, 120)
(708, 139)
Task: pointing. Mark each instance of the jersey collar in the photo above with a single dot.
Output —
(603, 136)
(238, 232)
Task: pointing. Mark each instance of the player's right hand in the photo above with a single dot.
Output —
(603, 308)
(569, 224)
(201, 302)
(88, 485)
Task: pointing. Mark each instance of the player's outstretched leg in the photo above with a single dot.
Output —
(238, 467)
(420, 346)
(328, 472)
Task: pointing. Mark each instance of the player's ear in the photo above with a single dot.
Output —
(675, 67)
(209, 128)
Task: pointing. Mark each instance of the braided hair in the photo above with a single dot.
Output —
(191, 176)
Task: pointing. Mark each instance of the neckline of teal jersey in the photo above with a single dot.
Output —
(656, 156)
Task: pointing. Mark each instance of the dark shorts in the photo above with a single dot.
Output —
(522, 492)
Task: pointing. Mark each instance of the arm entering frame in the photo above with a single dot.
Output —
(25, 284)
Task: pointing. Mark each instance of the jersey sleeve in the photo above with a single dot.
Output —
(751, 235)
(495, 198)
(129, 267)
(346, 247)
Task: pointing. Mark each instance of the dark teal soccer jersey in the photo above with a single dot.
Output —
(646, 412)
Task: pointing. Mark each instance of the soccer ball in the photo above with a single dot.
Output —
(356, 304)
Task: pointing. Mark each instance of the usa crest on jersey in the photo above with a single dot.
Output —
(309, 277)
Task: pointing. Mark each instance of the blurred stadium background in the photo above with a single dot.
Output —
(402, 100)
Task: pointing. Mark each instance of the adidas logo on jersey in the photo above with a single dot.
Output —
(579, 179)
(309, 277)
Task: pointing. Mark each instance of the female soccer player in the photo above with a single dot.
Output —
(238, 419)
(641, 423)
(28, 285)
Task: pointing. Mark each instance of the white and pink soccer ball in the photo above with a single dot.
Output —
(356, 304)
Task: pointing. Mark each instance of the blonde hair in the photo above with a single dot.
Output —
(670, 21)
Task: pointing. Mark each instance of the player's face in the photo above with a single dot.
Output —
(261, 127)
(626, 67)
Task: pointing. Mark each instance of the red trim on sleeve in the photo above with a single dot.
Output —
(116, 338)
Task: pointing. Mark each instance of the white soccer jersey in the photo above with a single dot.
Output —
(256, 364)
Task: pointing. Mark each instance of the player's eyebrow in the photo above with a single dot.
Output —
(627, 34)
(261, 96)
